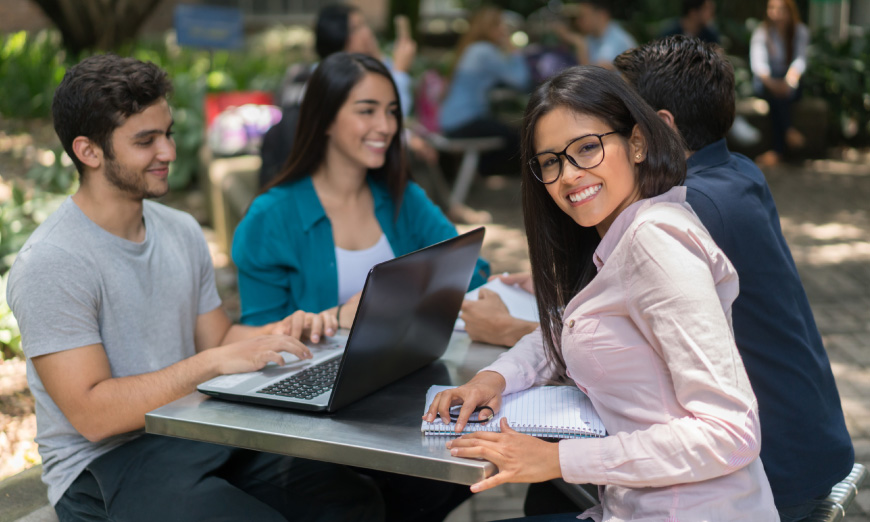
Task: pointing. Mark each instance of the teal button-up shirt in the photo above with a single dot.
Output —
(285, 254)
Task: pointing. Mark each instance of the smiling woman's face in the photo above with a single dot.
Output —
(591, 197)
(365, 125)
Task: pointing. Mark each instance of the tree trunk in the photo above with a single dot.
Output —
(97, 24)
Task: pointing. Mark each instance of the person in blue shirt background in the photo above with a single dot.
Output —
(342, 203)
(601, 39)
(485, 58)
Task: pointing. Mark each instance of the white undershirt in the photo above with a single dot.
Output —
(354, 265)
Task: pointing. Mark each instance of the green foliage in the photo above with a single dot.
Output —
(31, 67)
(19, 217)
(56, 176)
(838, 72)
(10, 336)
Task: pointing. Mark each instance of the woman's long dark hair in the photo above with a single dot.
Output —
(325, 93)
(560, 250)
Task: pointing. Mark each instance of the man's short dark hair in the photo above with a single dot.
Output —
(99, 93)
(687, 77)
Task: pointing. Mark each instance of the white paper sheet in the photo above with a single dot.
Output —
(520, 303)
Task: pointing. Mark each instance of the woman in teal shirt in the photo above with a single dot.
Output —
(342, 203)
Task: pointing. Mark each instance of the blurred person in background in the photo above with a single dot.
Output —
(778, 59)
(340, 27)
(343, 27)
(696, 20)
(600, 39)
(485, 58)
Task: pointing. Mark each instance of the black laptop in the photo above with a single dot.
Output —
(404, 321)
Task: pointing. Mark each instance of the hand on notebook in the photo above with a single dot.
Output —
(521, 279)
(519, 458)
(253, 354)
(487, 320)
(301, 324)
(483, 390)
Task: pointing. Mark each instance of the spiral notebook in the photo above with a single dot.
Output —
(559, 412)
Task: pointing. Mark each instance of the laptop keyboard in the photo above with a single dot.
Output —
(308, 383)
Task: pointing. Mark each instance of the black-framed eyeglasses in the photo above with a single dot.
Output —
(480, 414)
(585, 152)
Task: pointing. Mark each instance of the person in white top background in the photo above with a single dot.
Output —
(778, 59)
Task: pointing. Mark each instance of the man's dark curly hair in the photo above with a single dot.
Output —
(691, 79)
(99, 93)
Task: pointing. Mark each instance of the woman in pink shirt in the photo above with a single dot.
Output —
(635, 301)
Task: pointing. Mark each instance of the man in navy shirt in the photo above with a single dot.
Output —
(805, 447)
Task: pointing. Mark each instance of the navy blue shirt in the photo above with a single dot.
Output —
(805, 447)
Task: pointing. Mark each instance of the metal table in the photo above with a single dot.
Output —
(381, 431)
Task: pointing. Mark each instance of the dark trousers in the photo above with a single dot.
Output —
(801, 511)
(780, 115)
(155, 478)
(502, 161)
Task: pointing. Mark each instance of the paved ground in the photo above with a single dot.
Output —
(825, 211)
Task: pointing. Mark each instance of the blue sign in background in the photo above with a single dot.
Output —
(206, 26)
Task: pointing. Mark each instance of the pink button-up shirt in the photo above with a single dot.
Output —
(650, 341)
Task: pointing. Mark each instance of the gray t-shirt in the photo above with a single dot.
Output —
(74, 284)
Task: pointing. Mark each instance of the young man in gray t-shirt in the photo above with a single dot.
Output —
(119, 314)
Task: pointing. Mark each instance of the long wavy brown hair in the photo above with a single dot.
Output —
(480, 28)
(794, 20)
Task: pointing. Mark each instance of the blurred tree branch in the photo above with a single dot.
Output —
(97, 24)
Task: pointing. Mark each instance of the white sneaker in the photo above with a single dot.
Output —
(743, 132)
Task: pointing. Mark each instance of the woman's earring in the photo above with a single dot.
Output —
(638, 156)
